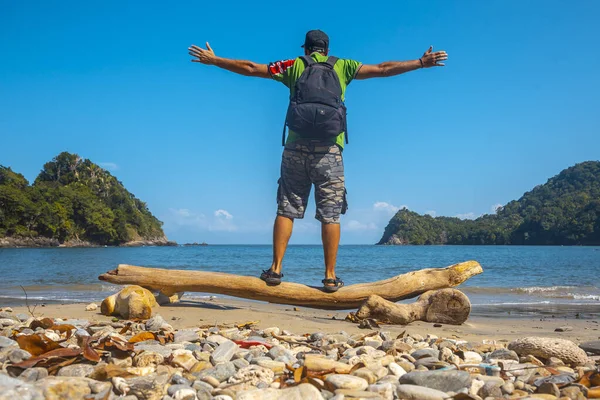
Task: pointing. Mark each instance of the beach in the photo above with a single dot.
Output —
(220, 311)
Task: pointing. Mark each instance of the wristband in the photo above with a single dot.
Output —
(421, 60)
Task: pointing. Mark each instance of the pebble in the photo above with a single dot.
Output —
(224, 352)
(206, 363)
(414, 392)
(91, 307)
(339, 381)
(80, 370)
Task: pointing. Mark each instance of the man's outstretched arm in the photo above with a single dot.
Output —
(248, 68)
(391, 68)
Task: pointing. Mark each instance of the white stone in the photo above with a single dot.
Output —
(414, 392)
(472, 357)
(91, 307)
(275, 366)
(185, 394)
(476, 384)
(351, 382)
(396, 369)
(218, 339)
(272, 331)
(385, 390)
(304, 391)
(224, 352)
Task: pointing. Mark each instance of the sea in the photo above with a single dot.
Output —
(517, 281)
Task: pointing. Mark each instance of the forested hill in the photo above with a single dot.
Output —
(73, 201)
(563, 211)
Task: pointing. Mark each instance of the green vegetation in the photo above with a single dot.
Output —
(73, 199)
(563, 211)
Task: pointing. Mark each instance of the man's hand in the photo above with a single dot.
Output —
(204, 56)
(431, 59)
(248, 68)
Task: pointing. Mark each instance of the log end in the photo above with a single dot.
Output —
(462, 271)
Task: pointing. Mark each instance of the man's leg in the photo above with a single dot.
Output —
(282, 231)
(327, 172)
(330, 234)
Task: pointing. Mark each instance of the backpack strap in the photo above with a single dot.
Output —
(308, 60)
(331, 61)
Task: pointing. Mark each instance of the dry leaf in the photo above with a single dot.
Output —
(53, 354)
(36, 344)
(142, 336)
(107, 371)
(247, 325)
(64, 328)
(44, 323)
(56, 367)
(299, 373)
(88, 352)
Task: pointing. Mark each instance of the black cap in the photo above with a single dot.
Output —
(316, 39)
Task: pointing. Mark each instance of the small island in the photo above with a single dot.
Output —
(562, 212)
(73, 203)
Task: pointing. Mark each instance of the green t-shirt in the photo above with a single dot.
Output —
(288, 71)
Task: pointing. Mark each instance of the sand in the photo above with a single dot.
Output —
(193, 313)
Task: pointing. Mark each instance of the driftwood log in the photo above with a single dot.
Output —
(445, 306)
(170, 282)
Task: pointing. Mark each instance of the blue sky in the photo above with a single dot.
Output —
(112, 81)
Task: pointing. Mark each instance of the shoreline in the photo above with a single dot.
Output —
(190, 313)
(48, 243)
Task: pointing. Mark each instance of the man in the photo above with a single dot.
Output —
(309, 160)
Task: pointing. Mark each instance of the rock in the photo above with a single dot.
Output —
(472, 357)
(427, 352)
(174, 388)
(224, 352)
(385, 390)
(186, 335)
(572, 392)
(490, 389)
(503, 354)
(91, 307)
(157, 323)
(317, 363)
(148, 358)
(346, 382)
(275, 366)
(253, 374)
(413, 392)
(6, 342)
(545, 348)
(240, 363)
(33, 374)
(592, 347)
(185, 394)
(396, 369)
(304, 391)
(271, 331)
(507, 388)
(78, 370)
(564, 328)
(220, 372)
(131, 302)
(549, 388)
(16, 355)
(148, 387)
(155, 348)
(445, 381)
(358, 394)
(184, 359)
(8, 321)
(60, 388)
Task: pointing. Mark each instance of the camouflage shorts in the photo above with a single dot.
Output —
(304, 164)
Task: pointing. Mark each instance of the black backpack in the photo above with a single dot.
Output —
(316, 109)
